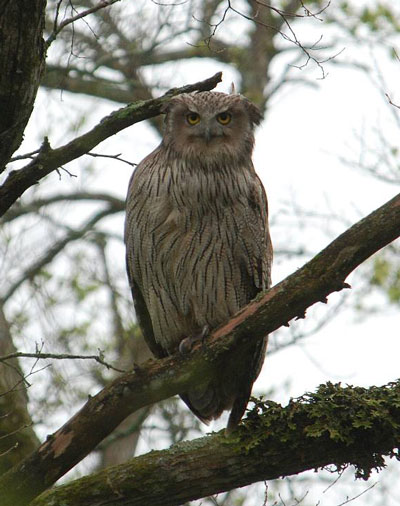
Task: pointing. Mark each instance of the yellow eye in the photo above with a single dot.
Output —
(224, 118)
(193, 118)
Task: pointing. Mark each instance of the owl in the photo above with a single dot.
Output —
(197, 241)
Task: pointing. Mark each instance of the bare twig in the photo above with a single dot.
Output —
(348, 500)
(391, 102)
(16, 431)
(27, 155)
(60, 356)
(34, 206)
(277, 27)
(14, 447)
(169, 4)
(286, 14)
(58, 27)
(116, 157)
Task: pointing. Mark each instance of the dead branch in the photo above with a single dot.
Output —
(115, 157)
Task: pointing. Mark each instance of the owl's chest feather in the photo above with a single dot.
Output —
(192, 194)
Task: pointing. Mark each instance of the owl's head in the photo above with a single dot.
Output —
(210, 125)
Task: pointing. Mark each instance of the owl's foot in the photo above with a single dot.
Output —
(187, 344)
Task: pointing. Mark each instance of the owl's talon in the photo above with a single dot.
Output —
(186, 345)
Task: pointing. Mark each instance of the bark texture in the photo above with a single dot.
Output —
(22, 59)
(334, 426)
(157, 380)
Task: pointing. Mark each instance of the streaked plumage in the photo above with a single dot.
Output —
(196, 233)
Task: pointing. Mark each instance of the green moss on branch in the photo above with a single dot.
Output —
(333, 426)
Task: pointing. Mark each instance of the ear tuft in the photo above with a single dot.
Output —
(232, 90)
(254, 112)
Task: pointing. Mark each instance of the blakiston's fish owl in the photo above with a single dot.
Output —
(198, 246)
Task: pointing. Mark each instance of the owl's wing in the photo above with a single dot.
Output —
(144, 320)
(260, 279)
(260, 203)
(132, 224)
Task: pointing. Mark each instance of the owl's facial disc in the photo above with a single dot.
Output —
(208, 127)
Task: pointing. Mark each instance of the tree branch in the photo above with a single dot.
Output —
(59, 356)
(67, 79)
(157, 380)
(334, 426)
(114, 203)
(50, 159)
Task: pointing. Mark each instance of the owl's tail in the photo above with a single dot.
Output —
(209, 403)
(238, 409)
(229, 390)
(204, 402)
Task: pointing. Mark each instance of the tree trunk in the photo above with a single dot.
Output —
(121, 444)
(22, 60)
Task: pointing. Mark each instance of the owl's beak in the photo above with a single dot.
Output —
(207, 134)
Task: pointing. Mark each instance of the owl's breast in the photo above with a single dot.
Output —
(197, 249)
(206, 190)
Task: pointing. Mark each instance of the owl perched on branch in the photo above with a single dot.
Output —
(197, 241)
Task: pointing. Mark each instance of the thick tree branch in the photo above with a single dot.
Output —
(334, 426)
(69, 80)
(50, 159)
(157, 380)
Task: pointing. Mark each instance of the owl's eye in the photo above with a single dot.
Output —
(224, 118)
(193, 118)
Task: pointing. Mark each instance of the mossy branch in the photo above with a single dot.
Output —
(334, 426)
(49, 159)
(158, 380)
